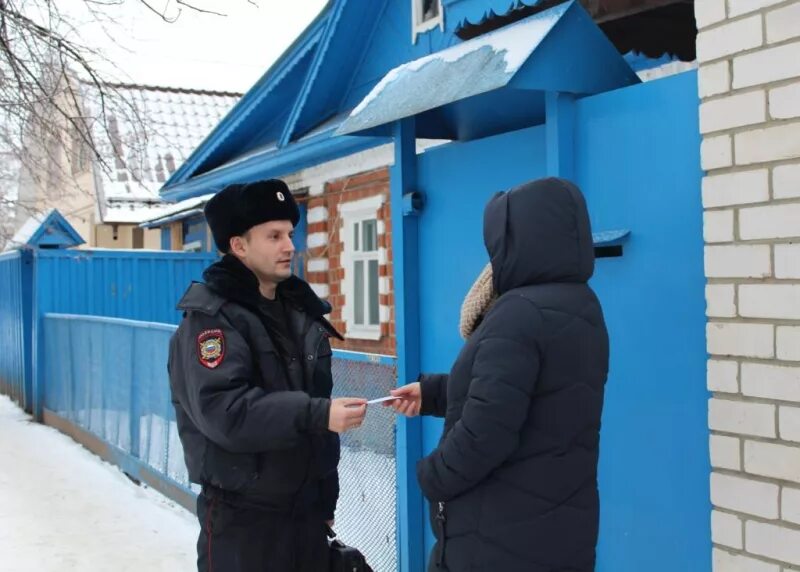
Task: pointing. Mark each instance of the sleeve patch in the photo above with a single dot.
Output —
(211, 348)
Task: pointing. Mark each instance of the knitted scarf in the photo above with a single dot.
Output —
(477, 303)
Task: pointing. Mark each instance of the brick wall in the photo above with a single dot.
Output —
(749, 82)
(325, 268)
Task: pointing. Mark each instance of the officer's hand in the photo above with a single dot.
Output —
(410, 401)
(346, 413)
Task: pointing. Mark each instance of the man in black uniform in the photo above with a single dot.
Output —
(250, 373)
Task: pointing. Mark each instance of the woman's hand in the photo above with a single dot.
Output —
(410, 402)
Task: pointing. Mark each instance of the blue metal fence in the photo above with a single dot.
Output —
(105, 383)
(138, 285)
(14, 291)
(108, 377)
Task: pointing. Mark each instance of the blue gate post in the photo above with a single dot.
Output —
(27, 325)
(300, 235)
(405, 250)
(560, 133)
(37, 343)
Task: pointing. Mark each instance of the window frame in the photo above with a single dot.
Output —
(354, 214)
(420, 26)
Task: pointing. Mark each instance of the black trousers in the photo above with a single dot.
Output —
(235, 537)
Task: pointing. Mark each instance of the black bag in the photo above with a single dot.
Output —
(345, 558)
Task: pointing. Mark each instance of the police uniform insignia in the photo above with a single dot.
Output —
(211, 348)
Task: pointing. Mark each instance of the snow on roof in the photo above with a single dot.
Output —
(514, 44)
(27, 230)
(130, 212)
(149, 132)
(179, 207)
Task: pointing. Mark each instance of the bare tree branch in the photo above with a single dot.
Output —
(57, 106)
(193, 7)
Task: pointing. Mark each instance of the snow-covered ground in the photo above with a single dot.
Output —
(62, 508)
(365, 515)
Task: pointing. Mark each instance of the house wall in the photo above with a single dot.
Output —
(73, 199)
(152, 239)
(328, 187)
(749, 54)
(177, 234)
(104, 237)
(328, 269)
(50, 179)
(165, 242)
(195, 232)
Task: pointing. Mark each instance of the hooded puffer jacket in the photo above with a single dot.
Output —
(513, 481)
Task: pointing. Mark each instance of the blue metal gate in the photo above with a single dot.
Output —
(636, 157)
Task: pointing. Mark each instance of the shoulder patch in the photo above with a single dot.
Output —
(211, 348)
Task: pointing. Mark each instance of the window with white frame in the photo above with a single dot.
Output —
(361, 260)
(365, 273)
(426, 14)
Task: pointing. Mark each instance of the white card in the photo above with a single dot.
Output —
(382, 399)
(379, 400)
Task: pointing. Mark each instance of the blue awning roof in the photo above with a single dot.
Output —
(47, 230)
(496, 82)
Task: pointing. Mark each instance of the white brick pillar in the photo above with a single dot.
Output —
(749, 84)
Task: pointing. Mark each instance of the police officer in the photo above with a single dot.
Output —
(250, 373)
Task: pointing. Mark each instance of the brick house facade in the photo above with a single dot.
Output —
(332, 268)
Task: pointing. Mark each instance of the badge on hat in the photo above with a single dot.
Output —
(281, 198)
(211, 348)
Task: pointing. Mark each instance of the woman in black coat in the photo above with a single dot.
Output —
(513, 481)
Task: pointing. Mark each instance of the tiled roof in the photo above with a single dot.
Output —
(149, 132)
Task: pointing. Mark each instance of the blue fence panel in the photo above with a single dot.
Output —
(14, 316)
(137, 285)
(108, 377)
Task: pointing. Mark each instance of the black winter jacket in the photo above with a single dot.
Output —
(252, 423)
(513, 481)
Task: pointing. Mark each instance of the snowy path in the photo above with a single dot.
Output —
(62, 508)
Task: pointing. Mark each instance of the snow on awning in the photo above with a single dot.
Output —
(496, 82)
